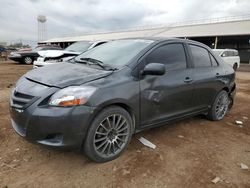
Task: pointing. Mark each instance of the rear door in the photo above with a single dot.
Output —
(170, 95)
(207, 76)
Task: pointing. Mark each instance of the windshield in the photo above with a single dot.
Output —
(79, 46)
(116, 53)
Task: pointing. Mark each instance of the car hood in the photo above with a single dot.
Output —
(66, 74)
(56, 53)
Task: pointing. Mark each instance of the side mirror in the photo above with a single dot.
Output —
(154, 69)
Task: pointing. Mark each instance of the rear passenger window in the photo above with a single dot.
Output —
(172, 55)
(213, 61)
(200, 56)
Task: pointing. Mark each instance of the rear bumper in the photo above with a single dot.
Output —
(232, 94)
(233, 91)
(52, 126)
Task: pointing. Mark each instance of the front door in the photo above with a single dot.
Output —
(169, 95)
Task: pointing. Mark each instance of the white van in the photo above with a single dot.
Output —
(230, 56)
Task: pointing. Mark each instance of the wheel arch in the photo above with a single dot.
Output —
(106, 105)
(225, 88)
(121, 104)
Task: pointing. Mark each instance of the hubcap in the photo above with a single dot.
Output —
(222, 106)
(111, 135)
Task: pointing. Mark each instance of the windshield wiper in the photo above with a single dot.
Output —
(92, 61)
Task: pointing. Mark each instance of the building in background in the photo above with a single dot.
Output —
(230, 32)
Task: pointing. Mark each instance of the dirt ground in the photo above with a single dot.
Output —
(189, 153)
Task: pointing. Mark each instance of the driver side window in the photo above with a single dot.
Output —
(171, 55)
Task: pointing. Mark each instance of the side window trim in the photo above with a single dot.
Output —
(211, 56)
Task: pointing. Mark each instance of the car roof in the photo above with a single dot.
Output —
(153, 38)
(92, 41)
(166, 39)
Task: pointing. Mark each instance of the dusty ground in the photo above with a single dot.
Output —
(206, 150)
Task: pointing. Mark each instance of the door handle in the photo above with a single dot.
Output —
(188, 80)
(217, 74)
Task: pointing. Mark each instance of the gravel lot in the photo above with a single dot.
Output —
(189, 153)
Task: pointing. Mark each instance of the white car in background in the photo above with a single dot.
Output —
(50, 57)
(230, 56)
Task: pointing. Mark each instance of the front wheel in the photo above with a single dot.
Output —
(109, 134)
(219, 107)
(28, 60)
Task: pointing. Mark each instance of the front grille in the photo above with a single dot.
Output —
(21, 100)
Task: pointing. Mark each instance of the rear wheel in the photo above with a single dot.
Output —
(28, 60)
(108, 135)
(219, 107)
(235, 66)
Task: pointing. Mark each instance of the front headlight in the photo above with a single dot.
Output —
(72, 96)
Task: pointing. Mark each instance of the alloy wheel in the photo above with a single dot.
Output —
(222, 106)
(111, 135)
(28, 60)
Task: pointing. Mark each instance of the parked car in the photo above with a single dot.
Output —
(27, 57)
(106, 94)
(50, 57)
(2, 49)
(230, 56)
(11, 49)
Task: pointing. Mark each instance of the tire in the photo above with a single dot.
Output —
(28, 60)
(106, 141)
(235, 66)
(219, 107)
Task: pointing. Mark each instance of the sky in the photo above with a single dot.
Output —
(18, 18)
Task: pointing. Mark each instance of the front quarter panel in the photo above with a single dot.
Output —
(120, 88)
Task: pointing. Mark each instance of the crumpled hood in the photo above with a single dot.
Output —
(65, 74)
(56, 53)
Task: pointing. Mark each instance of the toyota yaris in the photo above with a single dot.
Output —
(99, 99)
